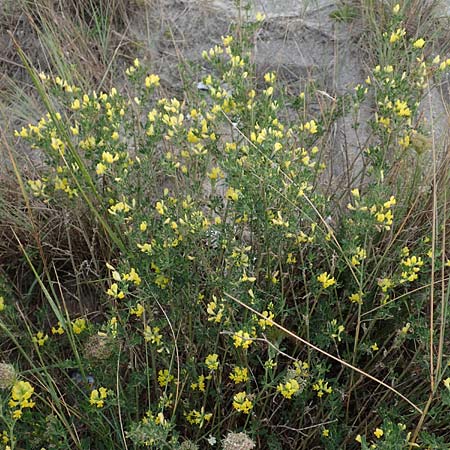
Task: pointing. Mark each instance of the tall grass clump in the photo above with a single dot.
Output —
(233, 303)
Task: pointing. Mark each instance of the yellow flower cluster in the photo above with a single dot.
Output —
(359, 255)
(165, 377)
(212, 361)
(383, 214)
(239, 375)
(21, 393)
(215, 311)
(78, 326)
(412, 267)
(152, 335)
(385, 284)
(289, 388)
(115, 292)
(199, 418)
(98, 396)
(357, 297)
(242, 339)
(267, 321)
(200, 385)
(132, 276)
(40, 338)
(321, 387)
(397, 35)
(58, 330)
(242, 403)
(326, 280)
(138, 310)
(310, 126)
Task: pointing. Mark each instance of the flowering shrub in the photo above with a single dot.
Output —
(236, 295)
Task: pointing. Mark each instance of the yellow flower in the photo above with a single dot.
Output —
(310, 126)
(232, 194)
(386, 121)
(378, 433)
(164, 377)
(447, 383)
(212, 362)
(385, 284)
(215, 311)
(21, 393)
(267, 321)
(59, 330)
(270, 77)
(402, 108)
(406, 328)
(227, 40)
(326, 280)
(419, 43)
(40, 338)
(215, 173)
(374, 347)
(98, 396)
(399, 33)
(76, 104)
(396, 9)
(291, 259)
(2, 303)
(17, 414)
(260, 17)
(152, 80)
(195, 417)
(359, 256)
(160, 207)
(5, 438)
(242, 403)
(146, 247)
(138, 310)
(79, 325)
(114, 292)
(200, 385)
(239, 375)
(321, 387)
(288, 389)
(192, 138)
(242, 339)
(356, 298)
(132, 276)
(100, 169)
(109, 158)
(152, 335)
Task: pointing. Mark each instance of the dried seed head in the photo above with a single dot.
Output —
(237, 441)
(99, 347)
(7, 375)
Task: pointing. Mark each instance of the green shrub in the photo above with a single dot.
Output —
(237, 295)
